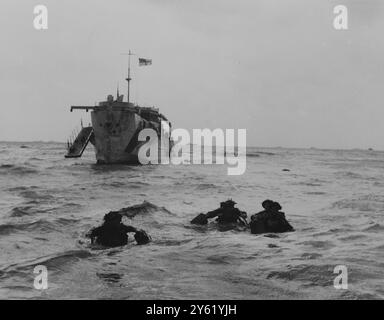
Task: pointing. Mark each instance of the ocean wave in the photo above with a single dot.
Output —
(311, 256)
(21, 188)
(22, 211)
(253, 155)
(32, 208)
(51, 262)
(353, 237)
(143, 208)
(206, 186)
(128, 184)
(61, 198)
(107, 168)
(314, 193)
(36, 159)
(309, 184)
(351, 295)
(350, 175)
(370, 202)
(219, 259)
(374, 228)
(40, 225)
(256, 154)
(331, 231)
(34, 195)
(17, 170)
(110, 277)
(379, 248)
(318, 275)
(113, 184)
(313, 182)
(70, 205)
(170, 242)
(318, 244)
(66, 221)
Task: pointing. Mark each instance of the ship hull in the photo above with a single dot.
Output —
(116, 136)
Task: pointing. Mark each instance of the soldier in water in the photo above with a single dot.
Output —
(271, 219)
(227, 215)
(113, 233)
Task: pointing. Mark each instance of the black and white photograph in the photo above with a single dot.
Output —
(192, 150)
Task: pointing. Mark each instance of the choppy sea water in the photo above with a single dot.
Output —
(334, 199)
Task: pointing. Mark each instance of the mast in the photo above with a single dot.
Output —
(129, 71)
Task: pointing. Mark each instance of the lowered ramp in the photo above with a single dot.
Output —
(76, 149)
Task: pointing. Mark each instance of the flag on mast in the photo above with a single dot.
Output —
(145, 62)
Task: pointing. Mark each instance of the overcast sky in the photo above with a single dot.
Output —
(275, 67)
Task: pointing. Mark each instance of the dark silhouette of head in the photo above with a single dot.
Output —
(112, 217)
(276, 206)
(228, 204)
(142, 237)
(267, 204)
(243, 214)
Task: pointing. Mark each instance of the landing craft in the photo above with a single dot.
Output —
(116, 126)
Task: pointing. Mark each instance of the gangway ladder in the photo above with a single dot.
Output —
(76, 149)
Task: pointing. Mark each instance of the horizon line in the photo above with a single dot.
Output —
(267, 147)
